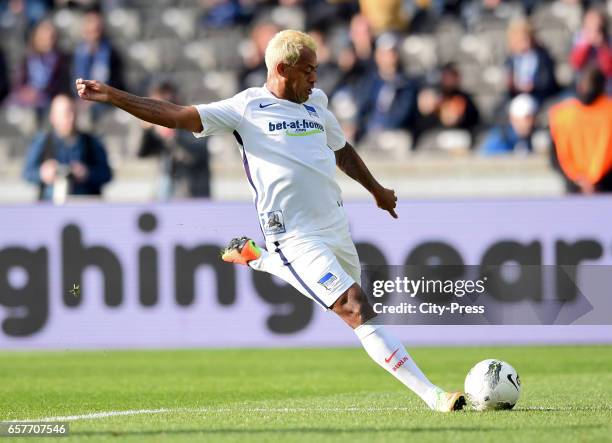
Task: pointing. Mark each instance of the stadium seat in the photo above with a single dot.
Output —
(124, 24)
(420, 53)
(182, 21)
(390, 145)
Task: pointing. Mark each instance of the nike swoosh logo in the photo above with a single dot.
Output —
(387, 360)
(512, 381)
(262, 106)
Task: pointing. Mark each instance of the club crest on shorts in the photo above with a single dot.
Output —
(328, 281)
(311, 111)
(272, 222)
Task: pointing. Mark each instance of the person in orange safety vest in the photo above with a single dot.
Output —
(581, 130)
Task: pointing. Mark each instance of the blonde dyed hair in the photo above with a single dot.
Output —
(285, 47)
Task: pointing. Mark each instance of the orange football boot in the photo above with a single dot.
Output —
(241, 250)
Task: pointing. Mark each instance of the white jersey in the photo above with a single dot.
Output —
(287, 150)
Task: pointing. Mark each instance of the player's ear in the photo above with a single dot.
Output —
(281, 69)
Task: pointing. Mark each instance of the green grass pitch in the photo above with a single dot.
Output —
(303, 395)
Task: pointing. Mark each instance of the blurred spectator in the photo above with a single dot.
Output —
(388, 100)
(352, 69)
(63, 161)
(94, 57)
(385, 15)
(581, 129)
(328, 72)
(44, 70)
(447, 106)
(32, 11)
(477, 13)
(80, 4)
(226, 13)
(4, 76)
(355, 58)
(254, 71)
(593, 45)
(530, 68)
(362, 39)
(326, 14)
(183, 159)
(425, 15)
(356, 65)
(516, 135)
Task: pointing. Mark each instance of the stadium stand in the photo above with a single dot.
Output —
(201, 45)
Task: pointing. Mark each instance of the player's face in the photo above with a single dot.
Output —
(302, 76)
(63, 116)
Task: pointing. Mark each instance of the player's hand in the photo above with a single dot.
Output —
(48, 170)
(92, 90)
(387, 200)
(163, 132)
(79, 171)
(586, 187)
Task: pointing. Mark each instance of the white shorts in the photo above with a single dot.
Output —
(322, 267)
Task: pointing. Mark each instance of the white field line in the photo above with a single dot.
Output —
(96, 415)
(105, 414)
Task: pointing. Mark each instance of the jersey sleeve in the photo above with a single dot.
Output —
(221, 117)
(333, 130)
(335, 135)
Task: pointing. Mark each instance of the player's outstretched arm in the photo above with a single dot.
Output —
(158, 112)
(352, 165)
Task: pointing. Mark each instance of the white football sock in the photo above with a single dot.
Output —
(260, 263)
(386, 350)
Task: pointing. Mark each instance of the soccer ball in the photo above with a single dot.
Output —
(492, 384)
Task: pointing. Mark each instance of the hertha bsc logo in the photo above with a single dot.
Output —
(328, 281)
(312, 111)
